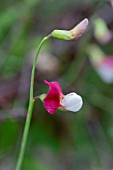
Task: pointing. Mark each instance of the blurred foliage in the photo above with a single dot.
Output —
(64, 140)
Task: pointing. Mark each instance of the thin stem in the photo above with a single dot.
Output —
(30, 109)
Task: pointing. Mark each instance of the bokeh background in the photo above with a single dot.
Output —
(65, 140)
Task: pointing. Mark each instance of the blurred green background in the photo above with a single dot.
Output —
(65, 140)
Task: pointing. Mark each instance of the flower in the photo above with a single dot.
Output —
(72, 34)
(105, 69)
(103, 64)
(55, 99)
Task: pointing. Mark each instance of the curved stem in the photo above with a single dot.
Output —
(30, 109)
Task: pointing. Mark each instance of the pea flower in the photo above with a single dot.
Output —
(103, 64)
(105, 69)
(101, 31)
(55, 99)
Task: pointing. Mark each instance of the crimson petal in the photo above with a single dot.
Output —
(52, 99)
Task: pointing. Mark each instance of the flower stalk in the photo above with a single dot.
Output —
(55, 91)
(30, 108)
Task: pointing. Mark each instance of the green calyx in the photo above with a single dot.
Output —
(42, 96)
(62, 34)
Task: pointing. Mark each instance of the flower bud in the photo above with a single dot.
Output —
(72, 34)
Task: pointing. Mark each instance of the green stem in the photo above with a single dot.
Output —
(30, 109)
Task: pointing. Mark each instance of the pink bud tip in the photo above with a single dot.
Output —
(80, 28)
